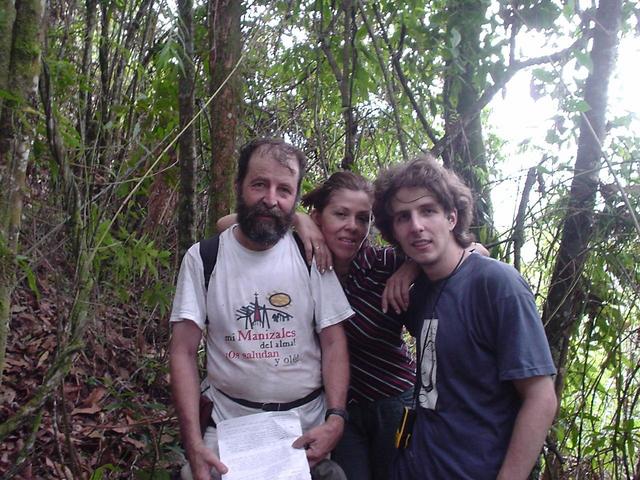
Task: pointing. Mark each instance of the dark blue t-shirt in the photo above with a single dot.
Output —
(475, 335)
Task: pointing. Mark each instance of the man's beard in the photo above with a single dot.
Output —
(259, 230)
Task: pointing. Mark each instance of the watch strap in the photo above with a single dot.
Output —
(340, 412)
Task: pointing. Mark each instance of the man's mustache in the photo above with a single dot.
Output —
(263, 211)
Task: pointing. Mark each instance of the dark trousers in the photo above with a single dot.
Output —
(327, 470)
(367, 446)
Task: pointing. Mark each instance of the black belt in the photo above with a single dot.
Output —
(275, 407)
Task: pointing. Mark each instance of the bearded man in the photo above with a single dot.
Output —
(274, 337)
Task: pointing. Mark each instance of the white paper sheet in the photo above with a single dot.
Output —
(258, 447)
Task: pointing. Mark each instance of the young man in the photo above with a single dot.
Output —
(484, 397)
(274, 338)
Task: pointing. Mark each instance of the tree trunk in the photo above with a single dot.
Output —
(467, 154)
(346, 85)
(7, 16)
(565, 301)
(226, 44)
(85, 107)
(187, 154)
(17, 129)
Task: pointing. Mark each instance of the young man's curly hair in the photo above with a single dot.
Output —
(424, 172)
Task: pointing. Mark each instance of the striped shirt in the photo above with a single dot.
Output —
(381, 365)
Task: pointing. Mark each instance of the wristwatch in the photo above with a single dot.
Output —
(341, 412)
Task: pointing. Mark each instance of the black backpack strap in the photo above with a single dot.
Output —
(209, 255)
(298, 240)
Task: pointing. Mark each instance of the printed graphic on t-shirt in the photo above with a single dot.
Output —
(428, 396)
(264, 331)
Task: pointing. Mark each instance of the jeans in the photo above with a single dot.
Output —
(367, 446)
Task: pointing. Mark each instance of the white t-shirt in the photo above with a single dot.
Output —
(262, 342)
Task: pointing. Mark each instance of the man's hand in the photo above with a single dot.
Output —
(319, 441)
(185, 387)
(202, 460)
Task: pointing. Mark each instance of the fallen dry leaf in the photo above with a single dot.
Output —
(43, 358)
(93, 409)
(7, 395)
(95, 396)
(134, 442)
(17, 362)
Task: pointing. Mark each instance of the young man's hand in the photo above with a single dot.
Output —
(396, 290)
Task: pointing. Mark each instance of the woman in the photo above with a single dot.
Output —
(382, 371)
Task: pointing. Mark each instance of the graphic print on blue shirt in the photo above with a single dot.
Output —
(428, 395)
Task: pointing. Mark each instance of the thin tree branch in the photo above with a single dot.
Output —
(518, 231)
(395, 61)
(387, 83)
(490, 92)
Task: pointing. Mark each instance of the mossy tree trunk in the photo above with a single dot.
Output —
(187, 153)
(7, 17)
(17, 129)
(467, 154)
(226, 43)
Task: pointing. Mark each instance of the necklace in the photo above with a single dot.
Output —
(429, 386)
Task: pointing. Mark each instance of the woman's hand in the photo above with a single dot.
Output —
(478, 247)
(313, 241)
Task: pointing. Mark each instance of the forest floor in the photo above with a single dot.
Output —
(111, 416)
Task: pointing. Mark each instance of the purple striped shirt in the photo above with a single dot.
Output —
(381, 365)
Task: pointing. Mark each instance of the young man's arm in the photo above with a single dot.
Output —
(320, 440)
(534, 418)
(185, 388)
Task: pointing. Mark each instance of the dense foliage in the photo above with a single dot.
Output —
(355, 84)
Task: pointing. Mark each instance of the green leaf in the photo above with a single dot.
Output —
(7, 95)
(584, 59)
(455, 37)
(23, 263)
(579, 106)
(623, 121)
(543, 75)
(569, 9)
(540, 15)
(99, 473)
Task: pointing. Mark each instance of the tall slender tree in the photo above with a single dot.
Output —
(567, 300)
(17, 130)
(226, 42)
(463, 85)
(187, 152)
(7, 17)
